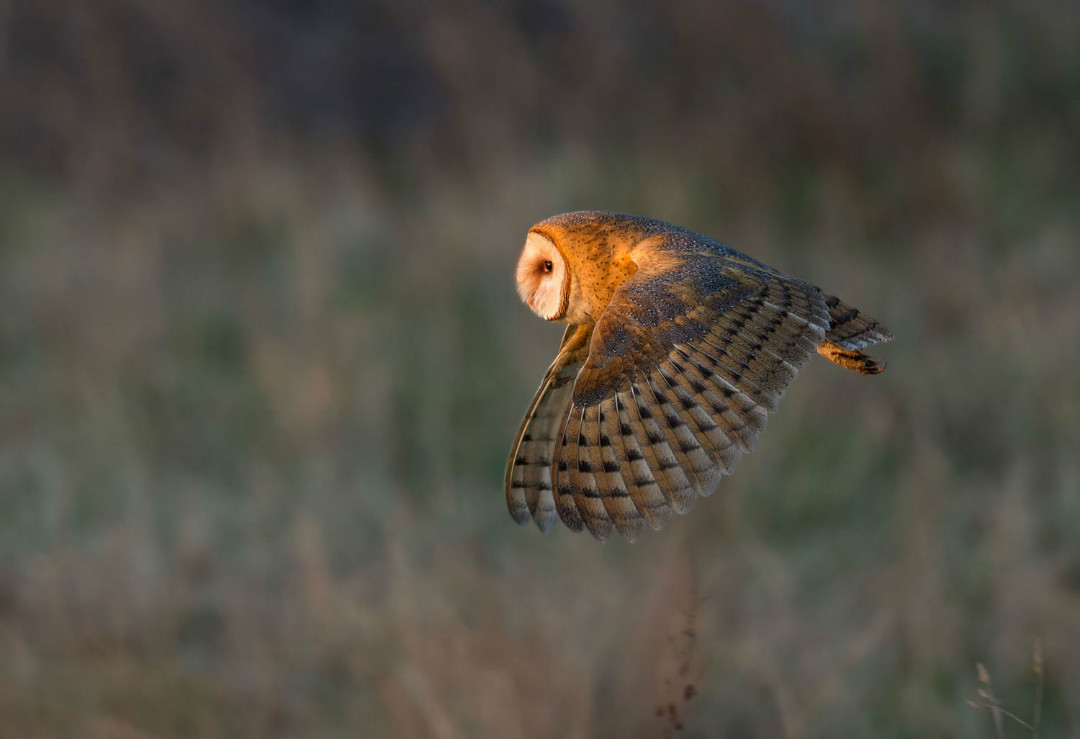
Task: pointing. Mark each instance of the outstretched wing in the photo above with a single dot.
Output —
(686, 360)
(528, 471)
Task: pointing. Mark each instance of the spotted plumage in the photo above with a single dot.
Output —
(677, 349)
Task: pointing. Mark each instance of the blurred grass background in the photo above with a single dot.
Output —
(261, 360)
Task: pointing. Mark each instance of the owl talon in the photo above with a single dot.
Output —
(851, 359)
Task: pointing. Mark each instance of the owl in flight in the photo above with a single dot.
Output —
(676, 349)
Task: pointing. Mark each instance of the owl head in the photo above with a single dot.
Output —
(571, 263)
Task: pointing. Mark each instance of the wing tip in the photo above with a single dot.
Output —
(517, 507)
(568, 512)
(631, 528)
(600, 528)
(545, 520)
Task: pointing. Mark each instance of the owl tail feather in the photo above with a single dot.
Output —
(850, 359)
(849, 328)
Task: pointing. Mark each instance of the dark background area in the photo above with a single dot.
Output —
(261, 361)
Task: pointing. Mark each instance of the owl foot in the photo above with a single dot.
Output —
(850, 359)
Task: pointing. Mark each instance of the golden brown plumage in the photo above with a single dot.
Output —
(677, 348)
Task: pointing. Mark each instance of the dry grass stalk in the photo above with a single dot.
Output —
(989, 701)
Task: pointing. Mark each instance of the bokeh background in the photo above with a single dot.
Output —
(261, 361)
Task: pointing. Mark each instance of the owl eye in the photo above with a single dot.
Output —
(548, 266)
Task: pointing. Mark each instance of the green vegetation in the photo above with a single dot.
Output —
(261, 359)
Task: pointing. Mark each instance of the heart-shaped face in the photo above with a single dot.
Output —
(542, 278)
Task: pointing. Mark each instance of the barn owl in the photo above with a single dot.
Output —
(677, 347)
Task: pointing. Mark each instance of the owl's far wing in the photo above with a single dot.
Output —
(528, 470)
(684, 363)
